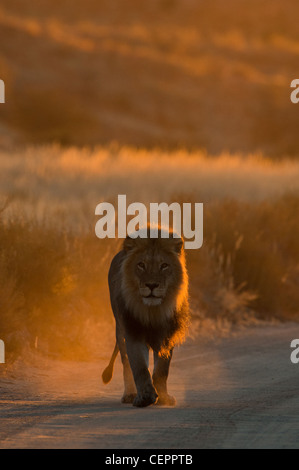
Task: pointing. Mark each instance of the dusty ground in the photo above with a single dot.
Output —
(239, 391)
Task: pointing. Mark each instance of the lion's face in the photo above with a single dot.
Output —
(154, 277)
(154, 274)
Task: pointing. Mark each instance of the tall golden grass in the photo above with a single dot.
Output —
(53, 269)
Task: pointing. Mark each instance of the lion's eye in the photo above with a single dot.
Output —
(164, 266)
(141, 266)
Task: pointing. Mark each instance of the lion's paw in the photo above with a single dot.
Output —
(147, 398)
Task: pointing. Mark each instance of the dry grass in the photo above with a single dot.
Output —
(53, 291)
(70, 182)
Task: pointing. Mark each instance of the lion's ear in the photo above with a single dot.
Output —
(129, 243)
(178, 244)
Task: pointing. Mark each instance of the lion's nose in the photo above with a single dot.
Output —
(151, 285)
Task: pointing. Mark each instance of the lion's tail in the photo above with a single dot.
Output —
(107, 374)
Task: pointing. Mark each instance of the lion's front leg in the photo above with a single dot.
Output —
(138, 355)
(160, 375)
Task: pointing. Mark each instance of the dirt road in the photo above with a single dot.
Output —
(240, 391)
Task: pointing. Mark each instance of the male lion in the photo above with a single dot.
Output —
(148, 285)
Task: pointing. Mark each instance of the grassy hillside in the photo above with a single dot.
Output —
(170, 73)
